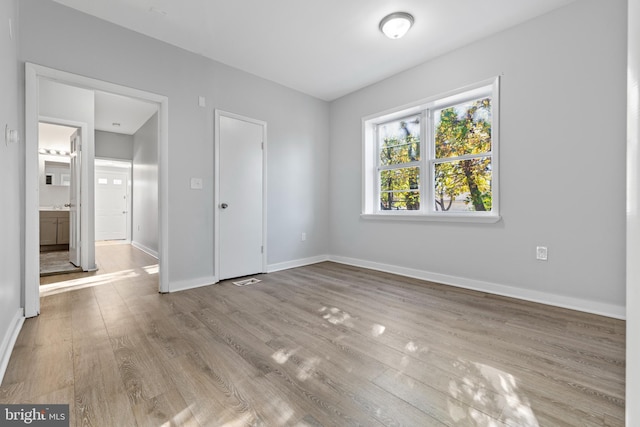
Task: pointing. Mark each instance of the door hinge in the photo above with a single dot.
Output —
(262, 145)
(261, 249)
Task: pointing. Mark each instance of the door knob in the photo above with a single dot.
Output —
(224, 206)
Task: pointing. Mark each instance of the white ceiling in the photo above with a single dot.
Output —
(325, 48)
(120, 114)
(54, 136)
(129, 113)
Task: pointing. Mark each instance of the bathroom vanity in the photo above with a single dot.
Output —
(54, 229)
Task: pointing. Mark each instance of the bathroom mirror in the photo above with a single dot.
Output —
(57, 173)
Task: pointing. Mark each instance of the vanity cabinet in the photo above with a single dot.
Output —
(54, 228)
(63, 230)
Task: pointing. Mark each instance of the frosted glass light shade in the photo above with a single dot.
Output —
(396, 24)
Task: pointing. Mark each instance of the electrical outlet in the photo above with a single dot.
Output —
(541, 253)
(196, 183)
(303, 237)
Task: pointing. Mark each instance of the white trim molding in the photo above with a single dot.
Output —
(633, 215)
(272, 268)
(183, 285)
(33, 73)
(594, 307)
(145, 249)
(9, 341)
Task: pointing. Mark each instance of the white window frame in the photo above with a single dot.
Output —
(371, 154)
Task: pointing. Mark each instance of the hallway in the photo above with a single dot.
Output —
(116, 262)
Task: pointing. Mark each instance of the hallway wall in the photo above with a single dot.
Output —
(12, 177)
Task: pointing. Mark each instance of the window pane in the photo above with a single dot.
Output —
(399, 189)
(463, 129)
(400, 200)
(399, 141)
(463, 185)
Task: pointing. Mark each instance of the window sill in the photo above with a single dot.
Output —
(486, 219)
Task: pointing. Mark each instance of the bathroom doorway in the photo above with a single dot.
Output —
(55, 160)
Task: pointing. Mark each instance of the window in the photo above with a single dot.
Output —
(436, 159)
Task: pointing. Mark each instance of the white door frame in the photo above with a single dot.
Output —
(129, 170)
(85, 258)
(216, 193)
(33, 73)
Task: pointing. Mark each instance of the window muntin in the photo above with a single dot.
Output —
(436, 158)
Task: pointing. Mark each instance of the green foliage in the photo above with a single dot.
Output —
(461, 130)
(459, 184)
(399, 188)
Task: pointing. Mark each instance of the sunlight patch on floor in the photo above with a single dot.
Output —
(281, 356)
(335, 316)
(411, 347)
(241, 421)
(182, 418)
(86, 282)
(492, 391)
(377, 330)
(308, 368)
(151, 269)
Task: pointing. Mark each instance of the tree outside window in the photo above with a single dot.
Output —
(437, 158)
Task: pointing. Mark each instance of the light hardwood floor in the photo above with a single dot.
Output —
(323, 345)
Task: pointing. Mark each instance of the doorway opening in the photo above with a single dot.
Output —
(55, 186)
(38, 79)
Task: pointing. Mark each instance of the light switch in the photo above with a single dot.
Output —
(202, 102)
(196, 183)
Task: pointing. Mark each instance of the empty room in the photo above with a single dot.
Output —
(320, 213)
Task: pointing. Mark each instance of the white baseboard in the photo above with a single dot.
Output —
(579, 304)
(9, 340)
(594, 307)
(183, 285)
(145, 249)
(271, 268)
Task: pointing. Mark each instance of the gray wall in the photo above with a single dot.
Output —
(562, 151)
(297, 126)
(111, 145)
(12, 178)
(145, 187)
(562, 159)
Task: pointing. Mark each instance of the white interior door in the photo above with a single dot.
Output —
(74, 199)
(111, 204)
(240, 173)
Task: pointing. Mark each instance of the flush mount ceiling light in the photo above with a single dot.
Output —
(396, 24)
